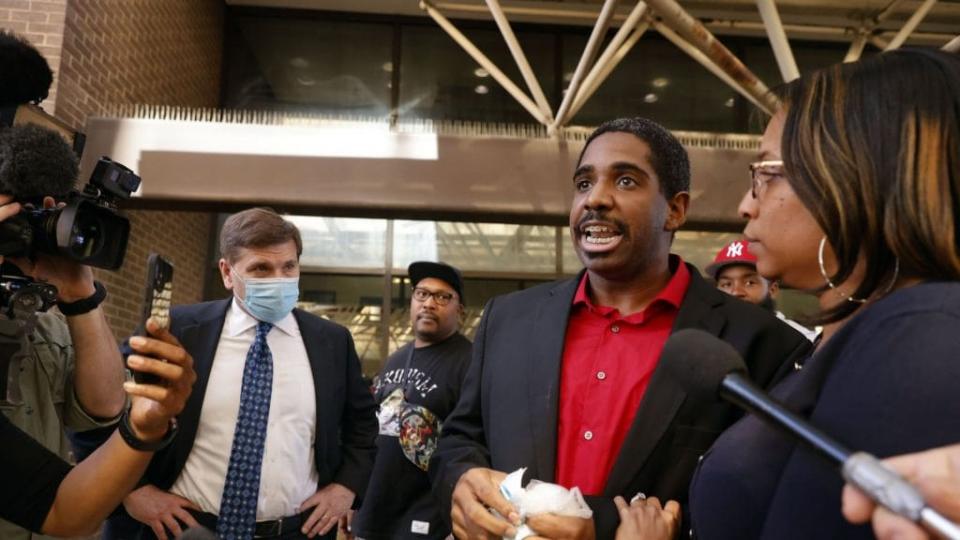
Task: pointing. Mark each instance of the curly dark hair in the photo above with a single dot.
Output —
(25, 76)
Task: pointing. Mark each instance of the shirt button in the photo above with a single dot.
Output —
(588, 435)
(601, 375)
(615, 329)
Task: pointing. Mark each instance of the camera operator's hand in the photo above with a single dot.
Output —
(98, 373)
(8, 208)
(153, 406)
(99, 483)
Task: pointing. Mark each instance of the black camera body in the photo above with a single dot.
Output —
(88, 229)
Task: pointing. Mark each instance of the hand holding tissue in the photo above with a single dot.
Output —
(541, 498)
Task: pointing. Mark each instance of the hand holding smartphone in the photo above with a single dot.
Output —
(156, 304)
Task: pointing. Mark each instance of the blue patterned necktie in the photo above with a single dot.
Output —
(238, 506)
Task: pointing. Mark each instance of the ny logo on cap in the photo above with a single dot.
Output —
(735, 249)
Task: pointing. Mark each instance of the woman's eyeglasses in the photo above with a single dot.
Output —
(762, 172)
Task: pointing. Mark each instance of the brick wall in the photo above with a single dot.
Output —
(41, 23)
(139, 51)
(151, 52)
(181, 237)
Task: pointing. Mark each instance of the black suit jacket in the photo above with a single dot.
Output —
(346, 426)
(507, 414)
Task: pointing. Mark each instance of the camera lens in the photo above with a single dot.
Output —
(85, 236)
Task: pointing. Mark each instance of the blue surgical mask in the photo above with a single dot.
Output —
(269, 299)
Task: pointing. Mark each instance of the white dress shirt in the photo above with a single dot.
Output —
(288, 476)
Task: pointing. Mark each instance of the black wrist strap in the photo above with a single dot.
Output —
(84, 305)
(126, 431)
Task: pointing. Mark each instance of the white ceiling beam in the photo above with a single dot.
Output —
(778, 40)
(520, 58)
(485, 63)
(696, 34)
(586, 59)
(624, 40)
(706, 62)
(953, 45)
(910, 25)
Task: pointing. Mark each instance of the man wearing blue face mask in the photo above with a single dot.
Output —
(278, 438)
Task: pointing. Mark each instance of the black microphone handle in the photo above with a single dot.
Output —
(741, 391)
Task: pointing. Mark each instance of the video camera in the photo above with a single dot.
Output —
(88, 229)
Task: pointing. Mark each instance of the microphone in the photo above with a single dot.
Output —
(709, 368)
(35, 162)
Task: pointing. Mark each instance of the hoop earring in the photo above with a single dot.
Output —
(826, 278)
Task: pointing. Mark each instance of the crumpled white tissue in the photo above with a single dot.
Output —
(541, 498)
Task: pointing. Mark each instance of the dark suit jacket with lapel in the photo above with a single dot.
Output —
(507, 414)
(346, 425)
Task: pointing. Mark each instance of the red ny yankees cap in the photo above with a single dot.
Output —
(736, 252)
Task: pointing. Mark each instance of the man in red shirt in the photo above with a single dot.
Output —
(565, 378)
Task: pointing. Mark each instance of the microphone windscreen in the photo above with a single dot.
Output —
(198, 533)
(699, 361)
(35, 162)
(25, 75)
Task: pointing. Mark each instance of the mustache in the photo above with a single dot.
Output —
(593, 215)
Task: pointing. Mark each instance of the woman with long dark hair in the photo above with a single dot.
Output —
(855, 197)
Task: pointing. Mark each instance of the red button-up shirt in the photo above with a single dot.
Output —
(608, 359)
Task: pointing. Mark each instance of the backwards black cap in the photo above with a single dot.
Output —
(421, 270)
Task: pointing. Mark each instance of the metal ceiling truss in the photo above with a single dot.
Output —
(682, 29)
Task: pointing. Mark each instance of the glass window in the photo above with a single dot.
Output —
(571, 263)
(353, 301)
(476, 247)
(342, 242)
(758, 56)
(305, 64)
(439, 80)
(810, 56)
(658, 81)
(414, 241)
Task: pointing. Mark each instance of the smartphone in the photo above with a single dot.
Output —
(156, 303)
